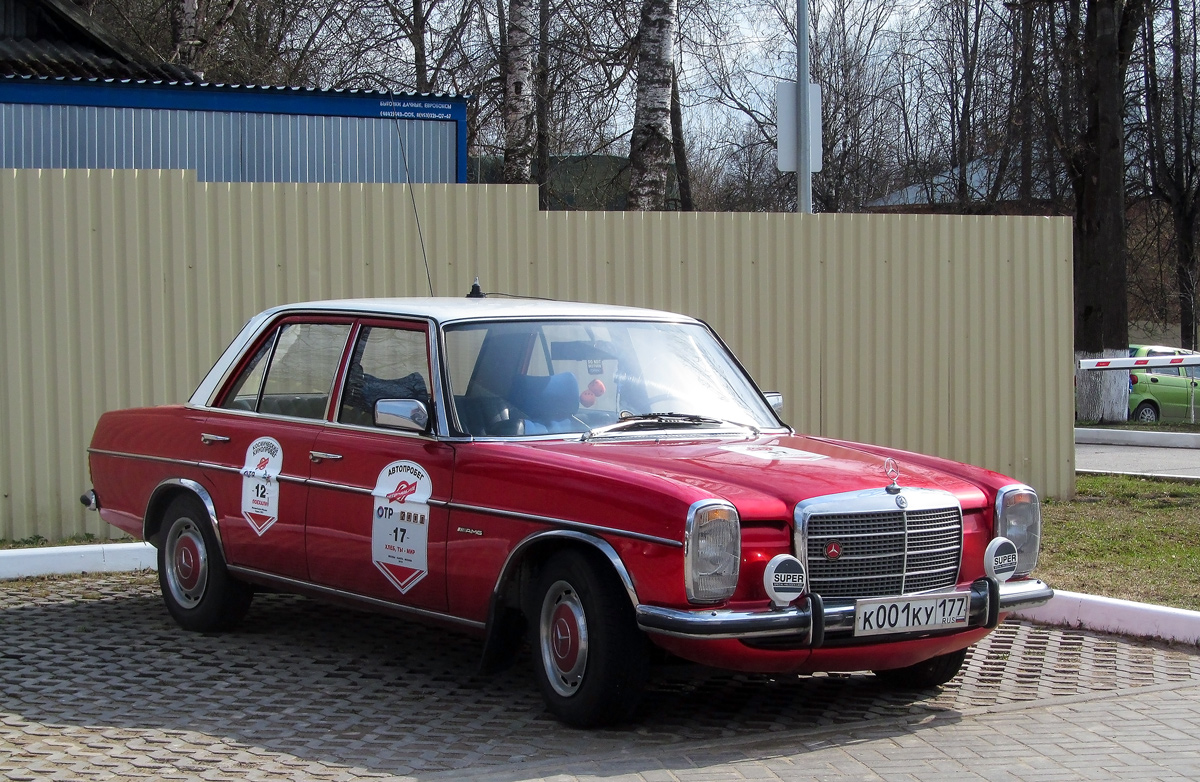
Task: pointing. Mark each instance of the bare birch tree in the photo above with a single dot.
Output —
(519, 90)
(650, 147)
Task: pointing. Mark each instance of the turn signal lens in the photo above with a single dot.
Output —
(712, 551)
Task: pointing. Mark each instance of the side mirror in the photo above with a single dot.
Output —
(407, 415)
(775, 399)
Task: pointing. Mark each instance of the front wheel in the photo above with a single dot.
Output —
(933, 672)
(590, 660)
(198, 590)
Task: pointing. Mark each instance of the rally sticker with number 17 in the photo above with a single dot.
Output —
(400, 523)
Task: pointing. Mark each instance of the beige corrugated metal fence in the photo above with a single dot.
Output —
(950, 335)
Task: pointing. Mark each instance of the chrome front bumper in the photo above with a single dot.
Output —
(816, 620)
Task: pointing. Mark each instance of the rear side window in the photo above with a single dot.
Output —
(292, 374)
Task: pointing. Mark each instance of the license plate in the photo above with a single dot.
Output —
(878, 616)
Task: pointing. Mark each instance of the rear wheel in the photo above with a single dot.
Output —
(1145, 413)
(933, 672)
(590, 659)
(198, 590)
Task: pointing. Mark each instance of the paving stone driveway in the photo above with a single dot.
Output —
(97, 683)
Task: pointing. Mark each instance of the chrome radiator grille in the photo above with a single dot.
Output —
(882, 552)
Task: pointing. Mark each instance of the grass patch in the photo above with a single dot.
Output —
(1132, 538)
(37, 541)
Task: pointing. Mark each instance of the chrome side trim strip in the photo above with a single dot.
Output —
(238, 471)
(147, 457)
(339, 487)
(221, 467)
(555, 522)
(307, 586)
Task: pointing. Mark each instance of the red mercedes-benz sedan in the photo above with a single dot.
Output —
(595, 479)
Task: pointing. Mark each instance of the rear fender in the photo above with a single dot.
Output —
(161, 497)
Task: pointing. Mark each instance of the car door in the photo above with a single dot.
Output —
(259, 442)
(1168, 385)
(377, 502)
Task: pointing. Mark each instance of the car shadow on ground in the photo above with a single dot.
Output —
(305, 680)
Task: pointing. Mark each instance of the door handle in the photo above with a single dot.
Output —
(209, 439)
(319, 456)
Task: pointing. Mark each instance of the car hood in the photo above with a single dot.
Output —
(765, 477)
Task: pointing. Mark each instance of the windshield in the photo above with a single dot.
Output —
(555, 377)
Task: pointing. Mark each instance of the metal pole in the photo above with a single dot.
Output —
(803, 159)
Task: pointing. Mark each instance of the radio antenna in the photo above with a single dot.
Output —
(411, 194)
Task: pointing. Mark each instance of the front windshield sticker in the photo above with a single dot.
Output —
(260, 483)
(774, 453)
(400, 531)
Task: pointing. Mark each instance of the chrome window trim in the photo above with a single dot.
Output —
(437, 392)
(875, 501)
(297, 584)
(695, 508)
(331, 415)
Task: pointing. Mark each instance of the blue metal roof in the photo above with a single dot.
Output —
(233, 132)
(141, 93)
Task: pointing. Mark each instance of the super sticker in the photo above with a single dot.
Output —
(260, 483)
(400, 523)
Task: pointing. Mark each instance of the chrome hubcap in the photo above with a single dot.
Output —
(186, 563)
(562, 630)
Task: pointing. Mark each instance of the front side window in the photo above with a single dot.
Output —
(303, 359)
(557, 377)
(387, 363)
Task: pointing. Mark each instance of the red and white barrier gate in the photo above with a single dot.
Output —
(1145, 362)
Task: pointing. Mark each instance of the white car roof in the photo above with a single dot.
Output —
(441, 310)
(447, 309)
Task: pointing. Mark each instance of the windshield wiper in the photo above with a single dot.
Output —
(661, 420)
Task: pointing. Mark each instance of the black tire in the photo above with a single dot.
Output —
(197, 588)
(933, 672)
(590, 659)
(1145, 413)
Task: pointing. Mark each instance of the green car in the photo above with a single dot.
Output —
(1162, 393)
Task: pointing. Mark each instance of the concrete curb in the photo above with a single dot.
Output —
(1110, 615)
(66, 560)
(1135, 437)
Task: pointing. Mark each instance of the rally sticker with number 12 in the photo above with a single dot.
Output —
(400, 523)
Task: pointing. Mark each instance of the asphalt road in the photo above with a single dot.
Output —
(1139, 460)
